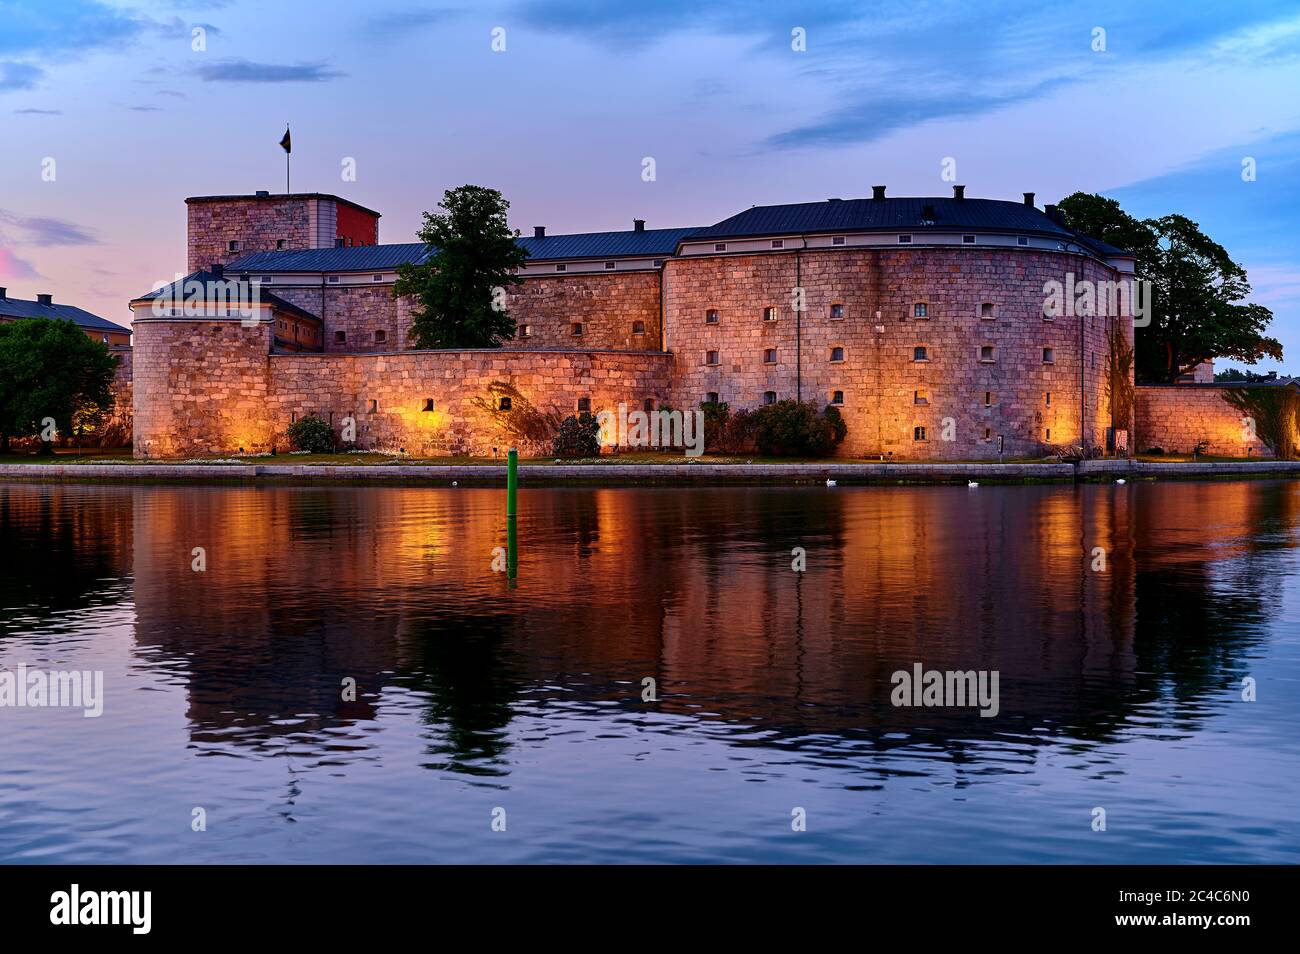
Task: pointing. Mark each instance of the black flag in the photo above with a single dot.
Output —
(286, 144)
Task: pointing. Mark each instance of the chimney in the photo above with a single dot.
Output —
(959, 192)
(638, 225)
(539, 231)
(878, 193)
(927, 213)
(262, 192)
(338, 243)
(1029, 199)
(218, 271)
(1050, 211)
(45, 299)
(4, 292)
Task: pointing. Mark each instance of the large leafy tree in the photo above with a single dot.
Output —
(50, 369)
(460, 286)
(1198, 307)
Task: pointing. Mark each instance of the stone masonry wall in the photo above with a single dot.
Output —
(255, 223)
(211, 389)
(887, 394)
(606, 305)
(1177, 417)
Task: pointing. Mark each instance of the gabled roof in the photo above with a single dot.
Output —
(177, 290)
(21, 308)
(886, 215)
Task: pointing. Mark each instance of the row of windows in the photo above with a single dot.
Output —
(903, 239)
(576, 329)
(920, 309)
(610, 266)
(381, 336)
(918, 434)
(988, 354)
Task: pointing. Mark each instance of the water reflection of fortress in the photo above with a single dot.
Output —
(393, 588)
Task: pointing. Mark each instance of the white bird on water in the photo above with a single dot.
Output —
(971, 483)
(1121, 481)
(829, 482)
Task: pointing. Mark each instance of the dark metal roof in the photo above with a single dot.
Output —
(177, 289)
(359, 258)
(275, 196)
(370, 258)
(21, 308)
(649, 242)
(885, 215)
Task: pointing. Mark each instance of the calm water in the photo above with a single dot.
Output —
(1119, 689)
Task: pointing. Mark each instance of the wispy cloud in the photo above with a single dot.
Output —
(246, 71)
(29, 111)
(11, 266)
(44, 231)
(19, 75)
(145, 109)
(399, 22)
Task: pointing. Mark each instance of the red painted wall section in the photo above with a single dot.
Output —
(356, 227)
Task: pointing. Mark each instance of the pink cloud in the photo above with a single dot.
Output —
(11, 266)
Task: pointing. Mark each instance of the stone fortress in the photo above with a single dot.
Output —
(922, 319)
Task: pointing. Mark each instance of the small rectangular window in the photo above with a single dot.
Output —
(711, 357)
(1022, 240)
(837, 240)
(584, 404)
(837, 354)
(988, 433)
(561, 268)
(265, 279)
(334, 279)
(428, 404)
(1047, 398)
(720, 247)
(918, 433)
(968, 240)
(920, 396)
(711, 317)
(504, 404)
(920, 310)
(711, 397)
(525, 331)
(279, 243)
(920, 354)
(1049, 434)
(986, 352)
(658, 263)
(340, 337)
(905, 240)
(609, 266)
(837, 397)
(233, 247)
(379, 278)
(638, 327)
(374, 406)
(986, 310)
(778, 243)
(837, 311)
(1048, 356)
(769, 356)
(769, 397)
(381, 336)
(769, 313)
(576, 330)
(988, 398)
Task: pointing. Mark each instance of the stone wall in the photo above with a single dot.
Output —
(1178, 417)
(211, 389)
(887, 394)
(607, 306)
(256, 223)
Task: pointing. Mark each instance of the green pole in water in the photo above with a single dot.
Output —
(512, 480)
(512, 542)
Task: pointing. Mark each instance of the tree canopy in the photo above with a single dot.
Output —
(460, 287)
(1198, 307)
(50, 369)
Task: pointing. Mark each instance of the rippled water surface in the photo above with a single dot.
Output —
(1119, 688)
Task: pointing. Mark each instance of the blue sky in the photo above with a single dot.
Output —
(1019, 95)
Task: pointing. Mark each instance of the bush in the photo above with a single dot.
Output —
(738, 435)
(794, 429)
(1155, 451)
(578, 436)
(311, 434)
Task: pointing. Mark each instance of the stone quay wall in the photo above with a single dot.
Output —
(1179, 417)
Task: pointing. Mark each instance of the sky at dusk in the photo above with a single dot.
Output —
(135, 118)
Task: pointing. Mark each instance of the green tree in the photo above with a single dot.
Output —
(50, 369)
(459, 287)
(1198, 307)
(1271, 412)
